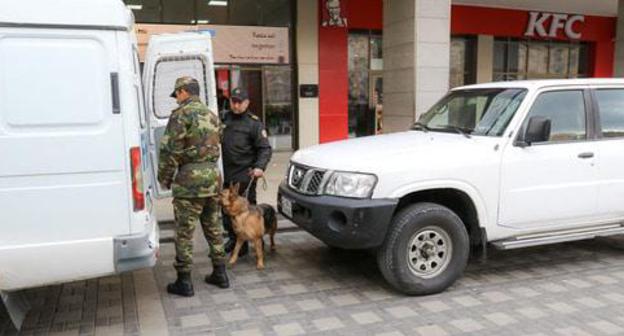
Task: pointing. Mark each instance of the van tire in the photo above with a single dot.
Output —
(425, 251)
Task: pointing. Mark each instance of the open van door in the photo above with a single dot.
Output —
(168, 57)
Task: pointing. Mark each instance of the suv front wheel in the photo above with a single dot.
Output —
(425, 250)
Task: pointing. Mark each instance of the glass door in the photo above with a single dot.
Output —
(249, 79)
(375, 105)
(365, 84)
(270, 95)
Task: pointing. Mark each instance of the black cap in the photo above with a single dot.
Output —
(239, 94)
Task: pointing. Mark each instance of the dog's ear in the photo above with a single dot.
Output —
(236, 188)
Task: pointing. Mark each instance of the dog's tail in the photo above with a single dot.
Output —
(270, 218)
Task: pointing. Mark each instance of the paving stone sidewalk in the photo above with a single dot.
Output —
(308, 288)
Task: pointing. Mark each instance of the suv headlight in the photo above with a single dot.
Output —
(354, 185)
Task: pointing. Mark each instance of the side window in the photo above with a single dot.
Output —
(168, 69)
(611, 105)
(566, 111)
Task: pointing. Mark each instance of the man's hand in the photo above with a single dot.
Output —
(256, 172)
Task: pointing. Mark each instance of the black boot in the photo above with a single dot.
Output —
(182, 286)
(218, 277)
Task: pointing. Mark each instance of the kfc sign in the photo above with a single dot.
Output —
(549, 24)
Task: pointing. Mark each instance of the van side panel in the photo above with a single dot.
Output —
(63, 176)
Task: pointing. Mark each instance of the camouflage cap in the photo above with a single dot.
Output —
(181, 83)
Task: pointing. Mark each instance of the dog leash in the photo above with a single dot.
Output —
(253, 178)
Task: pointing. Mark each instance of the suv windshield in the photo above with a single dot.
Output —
(473, 112)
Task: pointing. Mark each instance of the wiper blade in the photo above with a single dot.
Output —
(455, 129)
(460, 131)
(421, 126)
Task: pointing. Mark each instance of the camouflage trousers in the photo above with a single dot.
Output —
(188, 213)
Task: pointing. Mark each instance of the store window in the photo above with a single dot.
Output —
(463, 61)
(276, 13)
(365, 84)
(526, 59)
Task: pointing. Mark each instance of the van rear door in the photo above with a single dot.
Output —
(168, 57)
(63, 178)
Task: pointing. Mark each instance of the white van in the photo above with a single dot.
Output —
(75, 139)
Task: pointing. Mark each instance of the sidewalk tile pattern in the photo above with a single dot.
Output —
(310, 289)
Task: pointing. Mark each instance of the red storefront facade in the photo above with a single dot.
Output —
(597, 33)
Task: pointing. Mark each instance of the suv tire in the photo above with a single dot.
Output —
(425, 251)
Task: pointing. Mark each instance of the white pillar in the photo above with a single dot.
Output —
(485, 58)
(416, 58)
(308, 70)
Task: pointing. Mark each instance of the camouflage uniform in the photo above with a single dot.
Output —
(190, 145)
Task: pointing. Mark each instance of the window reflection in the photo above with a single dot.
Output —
(276, 13)
(463, 63)
(524, 59)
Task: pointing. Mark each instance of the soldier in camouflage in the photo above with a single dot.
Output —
(189, 151)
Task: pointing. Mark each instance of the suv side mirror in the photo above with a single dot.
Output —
(537, 130)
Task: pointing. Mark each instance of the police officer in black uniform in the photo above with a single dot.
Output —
(246, 153)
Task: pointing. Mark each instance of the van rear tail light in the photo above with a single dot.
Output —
(138, 197)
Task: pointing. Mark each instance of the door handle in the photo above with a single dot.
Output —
(586, 155)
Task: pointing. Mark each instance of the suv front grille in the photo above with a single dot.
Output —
(306, 180)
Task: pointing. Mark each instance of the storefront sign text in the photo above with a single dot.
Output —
(232, 44)
(549, 25)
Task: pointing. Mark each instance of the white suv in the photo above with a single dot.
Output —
(512, 164)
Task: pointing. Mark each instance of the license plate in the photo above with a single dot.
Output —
(287, 207)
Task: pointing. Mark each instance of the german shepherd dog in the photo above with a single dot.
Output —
(250, 223)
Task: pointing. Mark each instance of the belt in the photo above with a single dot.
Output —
(199, 165)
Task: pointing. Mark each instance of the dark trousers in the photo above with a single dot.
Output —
(227, 222)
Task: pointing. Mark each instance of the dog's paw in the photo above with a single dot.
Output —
(260, 267)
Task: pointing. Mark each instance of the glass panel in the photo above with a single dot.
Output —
(358, 84)
(178, 11)
(558, 63)
(276, 13)
(376, 53)
(499, 56)
(250, 80)
(145, 11)
(245, 12)
(611, 105)
(167, 71)
(566, 111)
(278, 106)
(513, 56)
(480, 112)
(573, 63)
(458, 62)
(523, 49)
(209, 13)
(583, 60)
(538, 59)
(377, 103)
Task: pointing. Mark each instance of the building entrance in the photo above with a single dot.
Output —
(270, 95)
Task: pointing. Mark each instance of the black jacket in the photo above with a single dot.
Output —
(245, 145)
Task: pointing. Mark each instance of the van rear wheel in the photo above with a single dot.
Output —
(425, 250)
